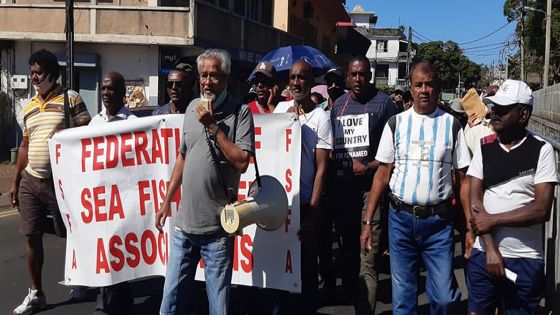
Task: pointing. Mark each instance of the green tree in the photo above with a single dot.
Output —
(450, 62)
(534, 37)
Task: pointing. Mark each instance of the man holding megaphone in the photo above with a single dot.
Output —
(218, 141)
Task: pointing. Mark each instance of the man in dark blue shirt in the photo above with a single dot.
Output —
(357, 118)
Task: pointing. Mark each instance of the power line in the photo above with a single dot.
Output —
(421, 35)
(483, 49)
(486, 36)
(483, 46)
(485, 55)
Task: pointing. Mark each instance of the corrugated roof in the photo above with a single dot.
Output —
(373, 33)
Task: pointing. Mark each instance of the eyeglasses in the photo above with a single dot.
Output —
(174, 84)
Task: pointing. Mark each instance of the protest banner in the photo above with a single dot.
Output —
(110, 181)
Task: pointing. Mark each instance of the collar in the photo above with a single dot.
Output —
(55, 92)
(123, 113)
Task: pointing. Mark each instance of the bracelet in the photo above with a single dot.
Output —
(365, 222)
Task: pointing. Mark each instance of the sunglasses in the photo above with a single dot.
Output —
(177, 84)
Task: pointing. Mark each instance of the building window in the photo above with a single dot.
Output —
(382, 71)
(302, 28)
(382, 46)
(223, 4)
(173, 3)
(239, 7)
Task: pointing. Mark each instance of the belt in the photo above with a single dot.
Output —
(420, 212)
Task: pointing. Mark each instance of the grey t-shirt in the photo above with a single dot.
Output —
(203, 197)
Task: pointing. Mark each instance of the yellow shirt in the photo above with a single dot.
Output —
(41, 119)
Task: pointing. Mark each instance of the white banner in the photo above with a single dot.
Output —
(111, 179)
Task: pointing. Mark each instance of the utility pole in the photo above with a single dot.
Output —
(521, 44)
(548, 18)
(409, 52)
(70, 44)
(507, 61)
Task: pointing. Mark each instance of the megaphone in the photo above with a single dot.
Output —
(266, 206)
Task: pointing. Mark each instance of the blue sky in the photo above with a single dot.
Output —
(459, 21)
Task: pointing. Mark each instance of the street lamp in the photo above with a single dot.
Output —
(547, 18)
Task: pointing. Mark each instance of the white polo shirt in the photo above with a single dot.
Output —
(424, 153)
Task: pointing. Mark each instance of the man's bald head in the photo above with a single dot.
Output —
(301, 80)
(113, 91)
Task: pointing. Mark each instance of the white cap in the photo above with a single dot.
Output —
(512, 92)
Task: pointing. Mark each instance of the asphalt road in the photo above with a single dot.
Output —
(147, 293)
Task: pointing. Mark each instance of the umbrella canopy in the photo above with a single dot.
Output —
(283, 58)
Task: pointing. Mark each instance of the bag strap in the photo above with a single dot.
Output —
(228, 191)
(66, 110)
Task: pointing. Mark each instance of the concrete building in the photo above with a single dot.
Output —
(140, 38)
(388, 50)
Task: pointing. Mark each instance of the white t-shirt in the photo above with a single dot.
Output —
(102, 118)
(316, 133)
(515, 188)
(423, 154)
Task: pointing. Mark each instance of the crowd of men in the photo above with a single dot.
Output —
(405, 172)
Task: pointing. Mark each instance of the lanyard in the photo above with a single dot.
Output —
(346, 104)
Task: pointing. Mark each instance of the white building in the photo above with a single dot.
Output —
(388, 50)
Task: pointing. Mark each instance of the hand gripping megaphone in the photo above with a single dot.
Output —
(267, 206)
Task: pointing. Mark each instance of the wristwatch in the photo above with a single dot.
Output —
(364, 222)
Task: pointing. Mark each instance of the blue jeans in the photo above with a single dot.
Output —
(185, 252)
(429, 239)
(487, 292)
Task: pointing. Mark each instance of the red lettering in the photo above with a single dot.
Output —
(125, 148)
(258, 132)
(162, 190)
(57, 152)
(288, 268)
(142, 195)
(177, 140)
(60, 187)
(115, 205)
(97, 153)
(156, 147)
(87, 215)
(141, 147)
(166, 133)
(161, 248)
(74, 264)
(247, 265)
(101, 261)
(154, 191)
(85, 152)
(150, 259)
(176, 198)
(69, 222)
(288, 221)
(288, 139)
(118, 264)
(98, 203)
(242, 186)
(288, 180)
(130, 244)
(112, 151)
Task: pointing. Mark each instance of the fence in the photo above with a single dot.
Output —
(546, 122)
